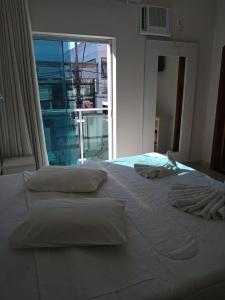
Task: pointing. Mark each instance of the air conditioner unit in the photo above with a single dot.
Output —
(154, 20)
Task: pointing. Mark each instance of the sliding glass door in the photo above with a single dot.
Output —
(74, 84)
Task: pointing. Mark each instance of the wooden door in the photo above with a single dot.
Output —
(218, 148)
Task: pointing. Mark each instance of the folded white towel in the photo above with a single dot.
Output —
(202, 201)
(171, 160)
(151, 171)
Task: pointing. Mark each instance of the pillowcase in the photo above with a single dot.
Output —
(65, 179)
(83, 222)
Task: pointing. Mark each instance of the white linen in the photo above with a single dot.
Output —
(134, 262)
(18, 279)
(165, 235)
(152, 171)
(89, 272)
(106, 269)
(170, 158)
(72, 273)
(201, 201)
(64, 223)
(65, 179)
(202, 276)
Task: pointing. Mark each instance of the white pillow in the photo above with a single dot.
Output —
(83, 222)
(65, 179)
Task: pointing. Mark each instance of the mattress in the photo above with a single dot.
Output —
(169, 254)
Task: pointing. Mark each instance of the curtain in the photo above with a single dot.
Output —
(21, 127)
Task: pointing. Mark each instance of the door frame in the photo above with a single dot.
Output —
(179, 104)
(154, 49)
(219, 127)
(111, 51)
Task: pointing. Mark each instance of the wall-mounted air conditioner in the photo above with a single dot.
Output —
(154, 20)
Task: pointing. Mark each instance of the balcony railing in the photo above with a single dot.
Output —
(76, 136)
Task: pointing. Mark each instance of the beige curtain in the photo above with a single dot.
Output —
(21, 128)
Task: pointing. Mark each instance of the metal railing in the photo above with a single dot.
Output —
(88, 133)
(80, 122)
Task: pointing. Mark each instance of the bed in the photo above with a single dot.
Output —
(169, 254)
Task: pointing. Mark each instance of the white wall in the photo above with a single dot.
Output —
(198, 26)
(219, 42)
(121, 21)
(105, 19)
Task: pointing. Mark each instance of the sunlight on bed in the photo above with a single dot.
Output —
(153, 159)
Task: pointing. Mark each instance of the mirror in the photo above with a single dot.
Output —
(166, 108)
(169, 103)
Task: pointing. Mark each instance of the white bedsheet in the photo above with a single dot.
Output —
(102, 269)
(179, 256)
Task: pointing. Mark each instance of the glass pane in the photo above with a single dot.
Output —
(62, 137)
(72, 78)
(95, 131)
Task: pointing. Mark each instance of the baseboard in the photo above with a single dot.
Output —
(199, 163)
(204, 167)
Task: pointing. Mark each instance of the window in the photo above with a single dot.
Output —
(73, 96)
